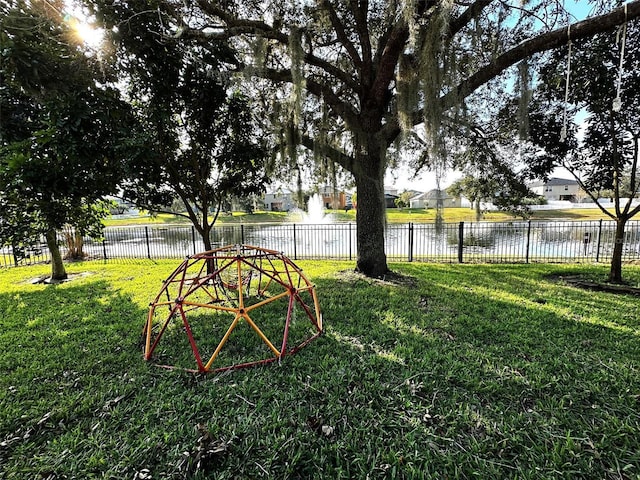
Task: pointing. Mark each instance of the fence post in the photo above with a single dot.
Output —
(599, 237)
(349, 233)
(295, 251)
(193, 238)
(410, 256)
(104, 245)
(146, 234)
(528, 241)
(460, 240)
(242, 233)
(16, 262)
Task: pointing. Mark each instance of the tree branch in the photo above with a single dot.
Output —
(359, 11)
(235, 27)
(239, 24)
(587, 190)
(541, 43)
(465, 17)
(390, 53)
(341, 34)
(343, 109)
(386, 68)
(345, 161)
(332, 70)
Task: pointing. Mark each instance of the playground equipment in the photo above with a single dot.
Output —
(204, 302)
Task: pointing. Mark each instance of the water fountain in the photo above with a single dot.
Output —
(315, 211)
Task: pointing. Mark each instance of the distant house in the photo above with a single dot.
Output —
(413, 193)
(557, 189)
(390, 200)
(433, 198)
(279, 201)
(333, 199)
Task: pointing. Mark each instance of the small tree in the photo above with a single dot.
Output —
(207, 144)
(404, 199)
(472, 188)
(606, 158)
(61, 131)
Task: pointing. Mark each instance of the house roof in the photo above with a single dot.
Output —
(433, 195)
(555, 182)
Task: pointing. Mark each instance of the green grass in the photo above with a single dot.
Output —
(163, 218)
(451, 371)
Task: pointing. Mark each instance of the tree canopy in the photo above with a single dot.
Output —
(352, 78)
(604, 84)
(63, 133)
(205, 142)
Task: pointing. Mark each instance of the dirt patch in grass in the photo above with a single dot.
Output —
(390, 279)
(589, 284)
(46, 279)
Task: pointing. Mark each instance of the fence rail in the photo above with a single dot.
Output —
(505, 242)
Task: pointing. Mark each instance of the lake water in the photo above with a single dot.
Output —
(506, 242)
(491, 242)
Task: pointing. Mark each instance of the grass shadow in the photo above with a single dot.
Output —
(450, 372)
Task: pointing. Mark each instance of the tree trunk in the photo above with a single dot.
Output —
(205, 233)
(615, 272)
(206, 238)
(58, 271)
(371, 218)
(478, 210)
(75, 244)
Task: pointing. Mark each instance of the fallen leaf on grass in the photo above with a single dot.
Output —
(207, 454)
(327, 430)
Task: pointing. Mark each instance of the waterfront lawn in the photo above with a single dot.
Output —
(445, 371)
(223, 218)
(414, 215)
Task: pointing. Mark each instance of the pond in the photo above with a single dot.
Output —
(483, 241)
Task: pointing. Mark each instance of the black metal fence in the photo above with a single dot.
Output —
(505, 242)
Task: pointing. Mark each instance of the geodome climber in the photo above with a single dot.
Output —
(231, 307)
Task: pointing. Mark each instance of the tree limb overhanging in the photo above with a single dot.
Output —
(351, 57)
(540, 43)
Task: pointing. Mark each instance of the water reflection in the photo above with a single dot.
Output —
(490, 242)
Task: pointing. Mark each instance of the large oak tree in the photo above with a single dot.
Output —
(354, 75)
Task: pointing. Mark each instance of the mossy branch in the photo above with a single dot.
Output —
(341, 33)
(467, 16)
(345, 161)
(541, 43)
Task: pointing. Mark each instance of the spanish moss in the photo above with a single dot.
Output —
(408, 88)
(297, 74)
(524, 89)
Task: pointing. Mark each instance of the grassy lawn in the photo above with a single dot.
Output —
(450, 371)
(163, 218)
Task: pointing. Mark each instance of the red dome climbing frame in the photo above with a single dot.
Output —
(202, 306)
